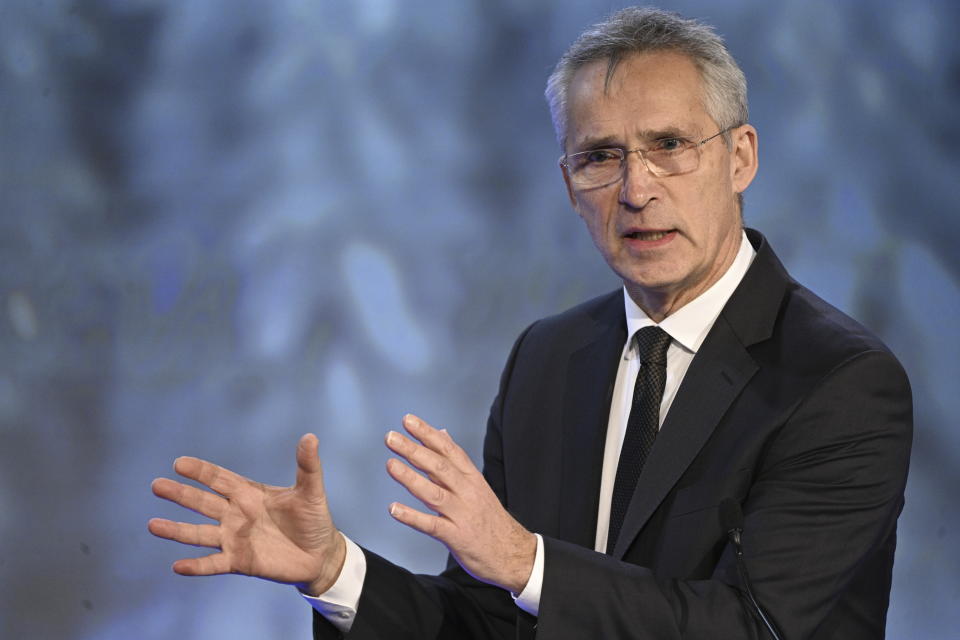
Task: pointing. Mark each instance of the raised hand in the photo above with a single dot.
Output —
(283, 534)
(468, 518)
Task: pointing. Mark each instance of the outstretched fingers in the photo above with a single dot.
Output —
(203, 502)
(198, 535)
(220, 479)
(440, 442)
(468, 518)
(211, 565)
(439, 468)
(435, 497)
(448, 472)
(434, 452)
(434, 526)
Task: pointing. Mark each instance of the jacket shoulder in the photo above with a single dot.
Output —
(581, 322)
(815, 327)
(781, 321)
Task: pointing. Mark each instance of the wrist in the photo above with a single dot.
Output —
(330, 570)
(523, 566)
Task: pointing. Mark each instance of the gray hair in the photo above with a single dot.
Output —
(641, 30)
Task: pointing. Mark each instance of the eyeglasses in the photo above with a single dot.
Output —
(667, 157)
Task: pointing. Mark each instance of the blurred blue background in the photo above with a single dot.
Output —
(226, 223)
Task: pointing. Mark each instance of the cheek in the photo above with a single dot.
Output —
(709, 210)
(594, 214)
(597, 229)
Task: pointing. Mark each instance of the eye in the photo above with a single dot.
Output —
(669, 144)
(600, 156)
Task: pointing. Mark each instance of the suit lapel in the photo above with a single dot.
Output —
(590, 377)
(717, 375)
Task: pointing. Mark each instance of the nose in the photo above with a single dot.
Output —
(638, 184)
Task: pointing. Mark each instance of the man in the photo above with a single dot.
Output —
(623, 424)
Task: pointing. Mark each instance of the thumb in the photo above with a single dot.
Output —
(309, 471)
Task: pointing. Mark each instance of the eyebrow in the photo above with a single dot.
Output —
(605, 142)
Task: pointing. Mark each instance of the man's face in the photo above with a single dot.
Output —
(668, 238)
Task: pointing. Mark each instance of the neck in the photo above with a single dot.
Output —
(657, 305)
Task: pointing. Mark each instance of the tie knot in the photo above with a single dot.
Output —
(652, 343)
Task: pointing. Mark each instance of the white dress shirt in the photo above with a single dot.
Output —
(687, 328)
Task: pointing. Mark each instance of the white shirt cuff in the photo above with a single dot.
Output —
(529, 598)
(338, 604)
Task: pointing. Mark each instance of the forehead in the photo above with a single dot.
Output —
(658, 91)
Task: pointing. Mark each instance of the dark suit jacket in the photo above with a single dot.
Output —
(790, 407)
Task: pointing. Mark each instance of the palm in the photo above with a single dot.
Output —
(284, 534)
(275, 533)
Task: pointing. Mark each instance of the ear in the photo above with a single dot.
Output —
(744, 165)
(570, 192)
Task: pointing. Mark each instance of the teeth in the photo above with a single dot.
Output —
(648, 236)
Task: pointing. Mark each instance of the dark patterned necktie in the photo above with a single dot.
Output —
(643, 423)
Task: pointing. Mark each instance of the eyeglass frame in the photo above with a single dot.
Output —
(564, 159)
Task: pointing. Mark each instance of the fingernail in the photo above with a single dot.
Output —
(391, 437)
(394, 509)
(410, 420)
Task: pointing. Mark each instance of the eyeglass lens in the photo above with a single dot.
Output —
(594, 168)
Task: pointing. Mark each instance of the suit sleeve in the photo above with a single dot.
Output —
(821, 511)
(396, 604)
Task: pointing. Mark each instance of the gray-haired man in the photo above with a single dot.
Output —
(622, 425)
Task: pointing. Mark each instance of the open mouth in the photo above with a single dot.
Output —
(647, 236)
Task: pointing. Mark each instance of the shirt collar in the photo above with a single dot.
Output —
(689, 325)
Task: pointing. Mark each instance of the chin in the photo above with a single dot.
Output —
(660, 282)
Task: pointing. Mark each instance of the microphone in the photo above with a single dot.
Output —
(731, 519)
